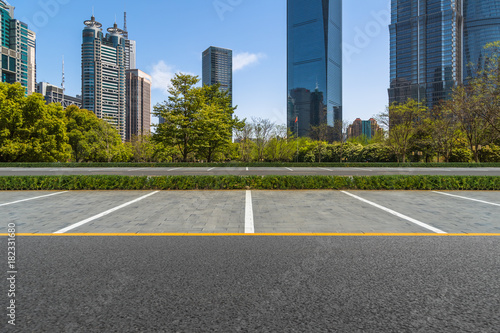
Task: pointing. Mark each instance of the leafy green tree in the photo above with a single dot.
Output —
(216, 122)
(30, 130)
(181, 114)
(403, 121)
(143, 148)
(243, 137)
(93, 139)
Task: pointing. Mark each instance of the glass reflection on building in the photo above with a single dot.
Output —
(314, 64)
(426, 57)
(482, 26)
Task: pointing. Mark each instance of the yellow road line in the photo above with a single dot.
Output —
(253, 235)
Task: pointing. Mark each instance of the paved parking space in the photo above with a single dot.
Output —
(223, 212)
(322, 212)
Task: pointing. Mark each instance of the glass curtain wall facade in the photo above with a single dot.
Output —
(482, 26)
(426, 50)
(218, 68)
(103, 74)
(314, 64)
(18, 61)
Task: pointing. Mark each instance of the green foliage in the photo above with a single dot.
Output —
(249, 182)
(30, 131)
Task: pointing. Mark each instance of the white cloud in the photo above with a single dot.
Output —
(162, 74)
(245, 59)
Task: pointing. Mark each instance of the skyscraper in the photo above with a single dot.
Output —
(103, 74)
(138, 103)
(314, 64)
(18, 62)
(130, 47)
(426, 49)
(218, 68)
(482, 26)
(437, 44)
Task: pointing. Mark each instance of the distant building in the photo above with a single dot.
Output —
(103, 74)
(314, 64)
(18, 61)
(55, 94)
(218, 68)
(366, 128)
(138, 103)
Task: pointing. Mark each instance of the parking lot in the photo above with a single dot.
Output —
(252, 212)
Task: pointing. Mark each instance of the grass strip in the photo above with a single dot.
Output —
(105, 182)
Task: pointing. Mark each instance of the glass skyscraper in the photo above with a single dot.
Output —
(103, 74)
(218, 68)
(314, 29)
(437, 44)
(426, 49)
(482, 26)
(18, 61)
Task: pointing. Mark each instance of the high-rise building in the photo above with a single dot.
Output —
(55, 94)
(218, 68)
(103, 74)
(18, 62)
(438, 44)
(314, 64)
(426, 49)
(481, 26)
(130, 47)
(138, 103)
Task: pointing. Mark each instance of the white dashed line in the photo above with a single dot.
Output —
(43, 196)
(363, 169)
(325, 169)
(289, 169)
(79, 224)
(137, 169)
(210, 169)
(247, 168)
(249, 226)
(457, 196)
(174, 169)
(390, 211)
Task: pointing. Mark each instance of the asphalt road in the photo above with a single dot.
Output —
(126, 280)
(256, 284)
(250, 171)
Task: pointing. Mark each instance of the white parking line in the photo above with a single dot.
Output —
(289, 169)
(210, 169)
(43, 196)
(457, 196)
(390, 211)
(79, 224)
(249, 226)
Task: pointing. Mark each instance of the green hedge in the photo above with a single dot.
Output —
(255, 165)
(249, 182)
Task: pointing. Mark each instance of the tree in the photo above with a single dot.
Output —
(93, 139)
(443, 130)
(403, 121)
(181, 114)
(244, 138)
(216, 121)
(30, 130)
(143, 148)
(464, 106)
(262, 129)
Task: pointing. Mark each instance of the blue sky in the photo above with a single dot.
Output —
(172, 34)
